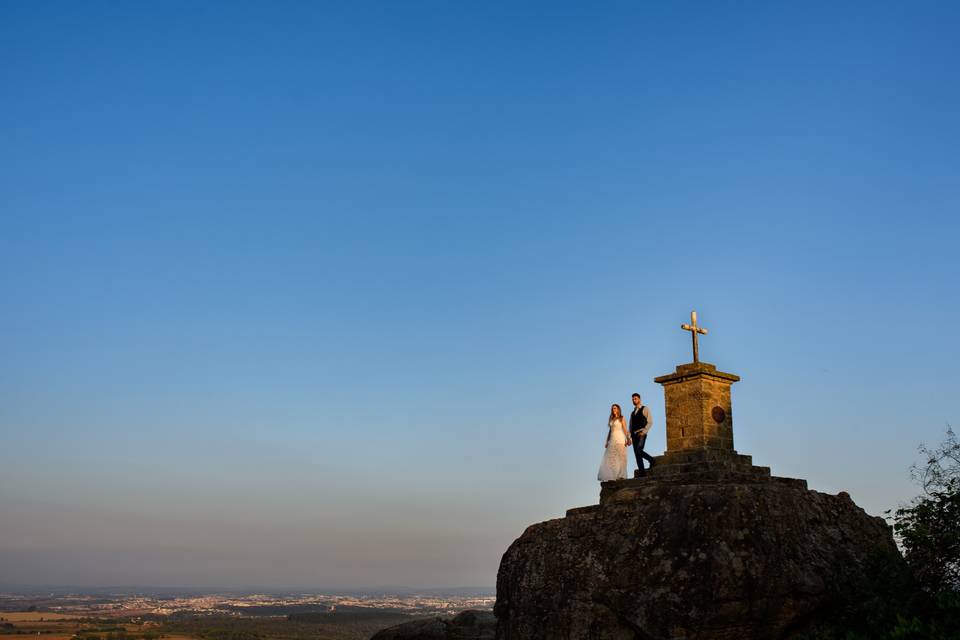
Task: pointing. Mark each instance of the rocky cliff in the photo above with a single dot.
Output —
(706, 547)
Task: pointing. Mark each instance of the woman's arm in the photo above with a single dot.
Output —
(626, 434)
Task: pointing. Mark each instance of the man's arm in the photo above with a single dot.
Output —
(646, 414)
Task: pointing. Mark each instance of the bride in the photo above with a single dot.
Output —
(613, 466)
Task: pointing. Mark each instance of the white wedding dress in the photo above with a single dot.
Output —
(613, 466)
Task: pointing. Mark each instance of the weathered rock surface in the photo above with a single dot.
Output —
(700, 549)
(466, 625)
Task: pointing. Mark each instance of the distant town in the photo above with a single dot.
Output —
(132, 605)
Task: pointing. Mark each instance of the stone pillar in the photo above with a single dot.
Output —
(697, 403)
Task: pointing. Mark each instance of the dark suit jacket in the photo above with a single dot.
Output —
(636, 422)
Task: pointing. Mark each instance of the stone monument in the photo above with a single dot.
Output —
(699, 411)
(697, 403)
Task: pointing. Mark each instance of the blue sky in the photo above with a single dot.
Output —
(335, 295)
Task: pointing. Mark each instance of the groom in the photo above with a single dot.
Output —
(640, 423)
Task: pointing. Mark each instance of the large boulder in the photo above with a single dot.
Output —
(466, 625)
(702, 550)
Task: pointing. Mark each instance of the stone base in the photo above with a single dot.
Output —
(694, 466)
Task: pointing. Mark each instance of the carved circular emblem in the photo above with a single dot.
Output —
(719, 414)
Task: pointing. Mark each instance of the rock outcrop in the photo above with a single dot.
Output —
(706, 547)
(466, 625)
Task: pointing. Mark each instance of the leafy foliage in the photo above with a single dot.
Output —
(929, 529)
(923, 604)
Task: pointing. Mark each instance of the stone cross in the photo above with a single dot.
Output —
(694, 330)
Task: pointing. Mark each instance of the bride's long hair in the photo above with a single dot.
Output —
(615, 412)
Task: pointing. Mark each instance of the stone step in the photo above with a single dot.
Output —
(677, 471)
(715, 476)
(800, 484)
(756, 475)
(702, 452)
(703, 455)
(666, 469)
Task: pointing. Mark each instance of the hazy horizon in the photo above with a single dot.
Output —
(341, 294)
(60, 589)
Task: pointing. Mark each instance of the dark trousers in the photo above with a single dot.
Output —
(638, 442)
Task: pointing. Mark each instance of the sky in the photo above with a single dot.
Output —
(338, 295)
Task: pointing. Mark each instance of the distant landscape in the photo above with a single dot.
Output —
(191, 615)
